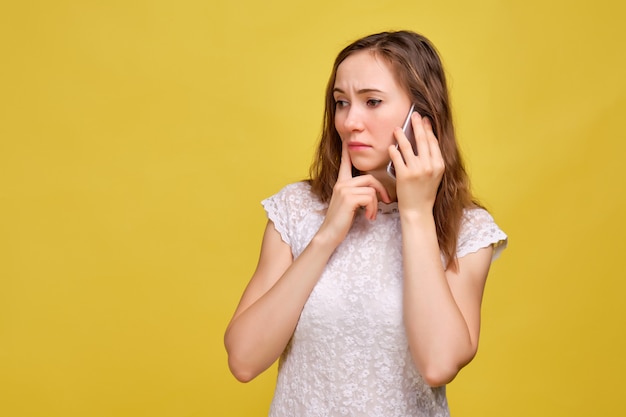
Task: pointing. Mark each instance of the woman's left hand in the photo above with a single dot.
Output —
(418, 176)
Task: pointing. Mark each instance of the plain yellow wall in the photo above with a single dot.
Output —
(138, 137)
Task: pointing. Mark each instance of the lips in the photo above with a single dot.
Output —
(358, 145)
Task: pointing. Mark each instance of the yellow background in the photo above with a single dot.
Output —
(137, 139)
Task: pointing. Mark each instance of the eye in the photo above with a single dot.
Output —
(341, 103)
(372, 102)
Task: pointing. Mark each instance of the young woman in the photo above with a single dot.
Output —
(368, 288)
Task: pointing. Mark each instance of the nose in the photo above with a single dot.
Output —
(354, 119)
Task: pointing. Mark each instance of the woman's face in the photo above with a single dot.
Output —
(370, 104)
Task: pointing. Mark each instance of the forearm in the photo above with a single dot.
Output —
(259, 334)
(438, 334)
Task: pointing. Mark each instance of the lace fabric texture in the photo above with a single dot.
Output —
(349, 354)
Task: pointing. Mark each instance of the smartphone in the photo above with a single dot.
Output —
(407, 128)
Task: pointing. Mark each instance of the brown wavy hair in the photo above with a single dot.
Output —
(418, 68)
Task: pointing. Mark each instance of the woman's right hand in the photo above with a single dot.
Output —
(349, 195)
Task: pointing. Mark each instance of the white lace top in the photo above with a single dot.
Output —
(349, 355)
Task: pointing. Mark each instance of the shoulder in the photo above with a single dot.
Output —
(297, 194)
(479, 230)
(474, 216)
(290, 207)
(292, 203)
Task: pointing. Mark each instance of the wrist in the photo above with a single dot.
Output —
(417, 216)
(325, 239)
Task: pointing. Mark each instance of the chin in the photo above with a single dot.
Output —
(369, 165)
(371, 169)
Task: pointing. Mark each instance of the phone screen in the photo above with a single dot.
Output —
(407, 128)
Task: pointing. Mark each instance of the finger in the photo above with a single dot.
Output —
(368, 201)
(402, 140)
(396, 159)
(438, 163)
(370, 181)
(433, 142)
(371, 209)
(404, 145)
(355, 198)
(423, 149)
(345, 167)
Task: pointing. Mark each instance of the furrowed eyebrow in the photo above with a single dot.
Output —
(361, 91)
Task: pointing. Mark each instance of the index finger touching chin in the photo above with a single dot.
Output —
(345, 168)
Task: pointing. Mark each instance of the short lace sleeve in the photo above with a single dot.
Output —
(479, 230)
(287, 208)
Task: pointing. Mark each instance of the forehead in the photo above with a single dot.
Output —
(365, 67)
